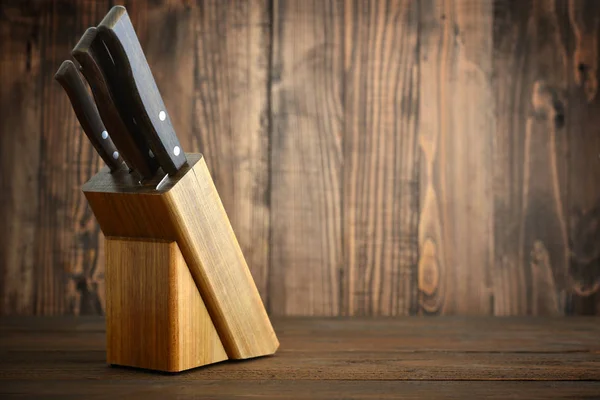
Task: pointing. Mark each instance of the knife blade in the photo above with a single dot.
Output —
(134, 74)
(87, 114)
(96, 65)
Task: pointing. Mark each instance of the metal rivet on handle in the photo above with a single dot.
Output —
(176, 150)
(116, 155)
(104, 135)
(162, 115)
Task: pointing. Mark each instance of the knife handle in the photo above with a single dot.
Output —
(135, 76)
(97, 67)
(87, 114)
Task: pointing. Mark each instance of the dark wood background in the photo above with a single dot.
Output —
(375, 157)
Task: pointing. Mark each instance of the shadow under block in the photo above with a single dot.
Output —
(186, 208)
(155, 317)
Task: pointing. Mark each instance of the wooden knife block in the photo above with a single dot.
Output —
(178, 291)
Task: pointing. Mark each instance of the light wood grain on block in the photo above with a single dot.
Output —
(188, 210)
(155, 316)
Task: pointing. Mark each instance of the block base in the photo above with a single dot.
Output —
(155, 316)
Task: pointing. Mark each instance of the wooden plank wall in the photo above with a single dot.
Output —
(395, 157)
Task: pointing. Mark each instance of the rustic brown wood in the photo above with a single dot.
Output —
(21, 57)
(381, 168)
(230, 72)
(405, 335)
(583, 133)
(531, 160)
(306, 154)
(510, 26)
(305, 111)
(49, 257)
(277, 389)
(155, 316)
(186, 208)
(323, 365)
(456, 133)
(324, 358)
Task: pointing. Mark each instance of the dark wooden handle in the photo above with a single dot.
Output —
(135, 76)
(87, 114)
(98, 69)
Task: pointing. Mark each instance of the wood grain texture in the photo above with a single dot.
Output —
(306, 158)
(309, 390)
(50, 263)
(187, 209)
(374, 158)
(531, 171)
(456, 132)
(324, 358)
(381, 168)
(155, 316)
(21, 59)
(510, 29)
(583, 136)
(231, 43)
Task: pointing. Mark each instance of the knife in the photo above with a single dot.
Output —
(87, 114)
(134, 75)
(96, 65)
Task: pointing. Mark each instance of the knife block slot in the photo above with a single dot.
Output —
(186, 213)
(155, 316)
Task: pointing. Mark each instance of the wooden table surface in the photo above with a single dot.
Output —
(441, 357)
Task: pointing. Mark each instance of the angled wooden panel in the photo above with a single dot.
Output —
(381, 171)
(155, 316)
(456, 134)
(531, 168)
(306, 158)
(583, 124)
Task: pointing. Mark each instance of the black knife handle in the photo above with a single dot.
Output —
(95, 63)
(134, 74)
(87, 114)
